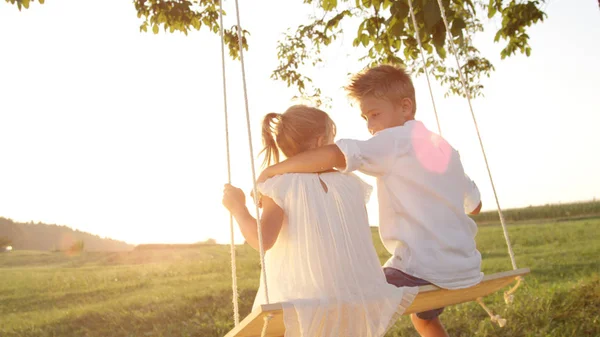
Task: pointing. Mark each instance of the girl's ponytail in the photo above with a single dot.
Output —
(270, 149)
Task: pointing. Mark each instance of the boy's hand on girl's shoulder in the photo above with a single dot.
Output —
(264, 176)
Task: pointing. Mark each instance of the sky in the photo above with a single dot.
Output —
(121, 133)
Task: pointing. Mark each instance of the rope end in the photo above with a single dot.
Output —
(494, 318)
(501, 321)
(267, 318)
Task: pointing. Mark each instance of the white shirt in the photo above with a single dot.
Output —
(423, 195)
(324, 264)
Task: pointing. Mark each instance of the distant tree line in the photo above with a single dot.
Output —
(148, 246)
(40, 236)
(546, 212)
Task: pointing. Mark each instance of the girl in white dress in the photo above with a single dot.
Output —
(320, 258)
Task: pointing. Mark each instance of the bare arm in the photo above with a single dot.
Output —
(271, 219)
(477, 210)
(472, 198)
(312, 161)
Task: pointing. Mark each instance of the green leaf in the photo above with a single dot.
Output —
(441, 52)
(439, 37)
(378, 47)
(399, 10)
(361, 27)
(41, 2)
(491, 8)
(329, 5)
(364, 38)
(196, 23)
(457, 26)
(155, 29)
(432, 14)
(396, 27)
(25, 3)
(428, 48)
(498, 36)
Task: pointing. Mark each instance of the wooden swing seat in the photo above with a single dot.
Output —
(429, 297)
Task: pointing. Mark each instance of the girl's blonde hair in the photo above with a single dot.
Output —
(296, 130)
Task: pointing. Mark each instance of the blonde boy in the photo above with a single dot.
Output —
(423, 192)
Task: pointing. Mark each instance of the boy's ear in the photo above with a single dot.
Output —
(407, 107)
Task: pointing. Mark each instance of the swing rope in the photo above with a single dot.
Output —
(494, 318)
(236, 312)
(255, 189)
(416, 27)
(468, 94)
(508, 296)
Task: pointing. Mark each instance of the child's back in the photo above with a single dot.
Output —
(423, 193)
(324, 261)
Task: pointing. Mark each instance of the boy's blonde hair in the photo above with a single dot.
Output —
(296, 130)
(384, 81)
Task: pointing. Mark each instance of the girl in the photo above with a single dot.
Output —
(320, 256)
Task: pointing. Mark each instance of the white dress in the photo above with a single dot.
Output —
(324, 263)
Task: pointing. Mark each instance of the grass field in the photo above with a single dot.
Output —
(187, 292)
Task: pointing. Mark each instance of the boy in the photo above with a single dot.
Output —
(423, 192)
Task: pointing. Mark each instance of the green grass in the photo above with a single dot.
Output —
(187, 292)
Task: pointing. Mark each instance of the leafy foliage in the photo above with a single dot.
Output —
(184, 16)
(385, 31)
(24, 3)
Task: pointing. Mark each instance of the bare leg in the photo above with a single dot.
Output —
(429, 328)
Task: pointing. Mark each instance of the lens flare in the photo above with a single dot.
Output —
(432, 151)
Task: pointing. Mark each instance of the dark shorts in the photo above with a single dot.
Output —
(401, 279)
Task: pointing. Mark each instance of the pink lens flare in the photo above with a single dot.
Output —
(432, 151)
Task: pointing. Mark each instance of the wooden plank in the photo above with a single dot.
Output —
(429, 297)
(253, 324)
(432, 297)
